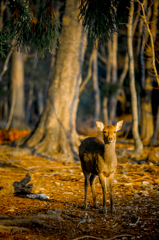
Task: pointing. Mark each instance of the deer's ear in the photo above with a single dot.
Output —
(99, 125)
(119, 125)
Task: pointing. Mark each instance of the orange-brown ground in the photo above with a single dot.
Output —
(136, 195)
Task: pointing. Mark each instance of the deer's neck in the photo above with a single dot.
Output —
(109, 150)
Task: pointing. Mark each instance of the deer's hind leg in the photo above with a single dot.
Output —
(92, 183)
(86, 174)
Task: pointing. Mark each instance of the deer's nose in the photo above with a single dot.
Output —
(110, 139)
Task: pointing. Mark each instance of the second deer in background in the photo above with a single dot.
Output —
(100, 160)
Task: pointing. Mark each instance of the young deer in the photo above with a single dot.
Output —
(100, 160)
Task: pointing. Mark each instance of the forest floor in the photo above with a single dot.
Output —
(62, 216)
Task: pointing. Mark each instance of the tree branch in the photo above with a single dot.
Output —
(89, 74)
(5, 67)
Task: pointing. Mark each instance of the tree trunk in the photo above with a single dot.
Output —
(17, 114)
(95, 86)
(146, 108)
(135, 130)
(155, 134)
(30, 102)
(147, 128)
(40, 104)
(56, 130)
(114, 77)
(108, 78)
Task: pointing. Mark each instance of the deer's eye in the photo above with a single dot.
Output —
(114, 131)
(104, 132)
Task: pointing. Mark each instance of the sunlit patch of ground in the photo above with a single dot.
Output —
(136, 198)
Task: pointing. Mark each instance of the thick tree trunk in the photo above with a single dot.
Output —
(135, 130)
(17, 114)
(40, 103)
(30, 102)
(56, 131)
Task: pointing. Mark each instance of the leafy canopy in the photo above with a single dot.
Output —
(42, 29)
(102, 17)
(29, 28)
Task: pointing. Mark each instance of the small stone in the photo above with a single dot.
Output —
(157, 154)
(70, 170)
(131, 162)
(145, 183)
(152, 157)
(150, 164)
(136, 195)
(89, 220)
(136, 207)
(38, 196)
(145, 193)
(57, 183)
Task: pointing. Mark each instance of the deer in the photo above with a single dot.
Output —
(100, 160)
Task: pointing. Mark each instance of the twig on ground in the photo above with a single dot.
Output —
(87, 236)
(27, 222)
(134, 224)
(82, 221)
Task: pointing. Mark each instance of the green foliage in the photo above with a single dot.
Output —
(40, 30)
(47, 32)
(102, 17)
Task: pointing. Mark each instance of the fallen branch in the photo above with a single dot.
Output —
(11, 229)
(134, 224)
(82, 221)
(118, 236)
(28, 221)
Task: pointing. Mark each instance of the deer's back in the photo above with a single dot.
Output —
(90, 152)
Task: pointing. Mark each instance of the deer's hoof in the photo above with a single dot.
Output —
(104, 211)
(113, 210)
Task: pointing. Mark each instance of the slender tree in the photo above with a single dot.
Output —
(95, 85)
(17, 112)
(135, 130)
(148, 63)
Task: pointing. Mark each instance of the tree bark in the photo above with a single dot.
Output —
(114, 77)
(108, 78)
(135, 130)
(56, 130)
(147, 128)
(95, 85)
(17, 114)
(40, 104)
(155, 134)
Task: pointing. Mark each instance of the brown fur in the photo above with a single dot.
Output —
(99, 159)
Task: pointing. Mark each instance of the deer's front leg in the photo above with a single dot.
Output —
(103, 183)
(109, 185)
